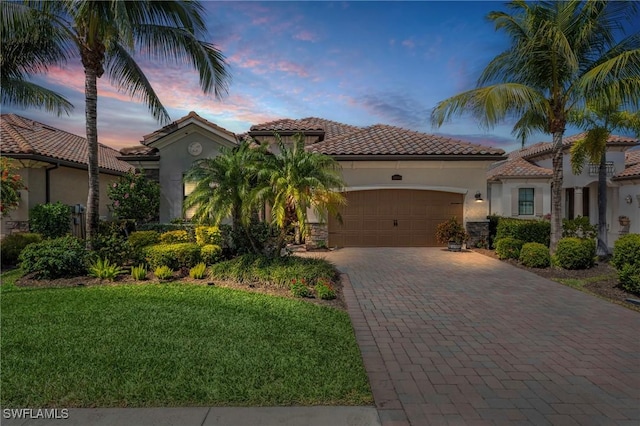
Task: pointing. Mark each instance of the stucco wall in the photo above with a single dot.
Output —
(175, 160)
(465, 177)
(67, 185)
(504, 197)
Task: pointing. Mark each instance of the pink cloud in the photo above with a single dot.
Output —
(306, 35)
(290, 67)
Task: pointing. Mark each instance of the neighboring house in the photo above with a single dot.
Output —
(166, 154)
(400, 184)
(53, 166)
(520, 186)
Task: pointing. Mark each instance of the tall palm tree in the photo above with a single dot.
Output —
(106, 35)
(294, 180)
(600, 122)
(24, 54)
(562, 53)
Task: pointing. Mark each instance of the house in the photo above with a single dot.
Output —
(53, 166)
(520, 186)
(399, 183)
(167, 154)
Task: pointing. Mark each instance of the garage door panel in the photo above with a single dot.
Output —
(393, 217)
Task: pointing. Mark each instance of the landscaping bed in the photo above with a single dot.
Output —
(600, 280)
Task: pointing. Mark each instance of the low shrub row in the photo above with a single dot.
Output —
(571, 253)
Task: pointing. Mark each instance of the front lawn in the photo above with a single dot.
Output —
(174, 345)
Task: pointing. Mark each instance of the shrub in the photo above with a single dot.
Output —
(451, 230)
(175, 256)
(276, 271)
(161, 228)
(140, 239)
(199, 271)
(575, 253)
(208, 235)
(163, 272)
(238, 242)
(579, 227)
(527, 231)
(626, 259)
(299, 288)
(55, 258)
(493, 229)
(210, 254)
(508, 248)
(324, 289)
(139, 273)
(10, 184)
(174, 237)
(105, 270)
(111, 245)
(135, 197)
(629, 276)
(535, 255)
(12, 245)
(626, 251)
(50, 220)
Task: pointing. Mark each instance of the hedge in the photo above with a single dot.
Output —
(508, 248)
(575, 253)
(626, 259)
(528, 231)
(535, 255)
(175, 256)
(13, 244)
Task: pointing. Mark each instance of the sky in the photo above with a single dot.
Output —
(359, 63)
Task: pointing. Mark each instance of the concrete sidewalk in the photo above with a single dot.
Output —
(207, 416)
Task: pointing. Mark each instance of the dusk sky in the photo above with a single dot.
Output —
(359, 63)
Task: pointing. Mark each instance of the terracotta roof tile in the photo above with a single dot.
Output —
(517, 167)
(383, 139)
(542, 149)
(330, 128)
(24, 136)
(631, 172)
(632, 157)
(179, 123)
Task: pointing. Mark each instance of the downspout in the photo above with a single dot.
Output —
(47, 182)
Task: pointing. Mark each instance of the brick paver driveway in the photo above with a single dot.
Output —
(459, 338)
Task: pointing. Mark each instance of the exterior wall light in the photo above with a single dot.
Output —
(478, 197)
(628, 199)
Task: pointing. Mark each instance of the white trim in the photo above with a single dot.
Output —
(418, 187)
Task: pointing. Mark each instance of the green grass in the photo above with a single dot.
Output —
(580, 282)
(8, 280)
(174, 345)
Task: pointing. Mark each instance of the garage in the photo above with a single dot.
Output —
(393, 218)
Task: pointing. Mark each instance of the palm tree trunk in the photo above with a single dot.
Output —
(556, 192)
(602, 250)
(91, 114)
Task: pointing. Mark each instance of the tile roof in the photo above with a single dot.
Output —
(382, 139)
(178, 124)
(23, 136)
(542, 149)
(330, 128)
(139, 150)
(517, 167)
(632, 157)
(632, 166)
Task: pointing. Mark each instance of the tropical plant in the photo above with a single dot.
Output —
(135, 197)
(25, 51)
(562, 54)
(10, 184)
(199, 271)
(105, 270)
(324, 289)
(163, 272)
(139, 273)
(105, 36)
(600, 122)
(294, 180)
(55, 258)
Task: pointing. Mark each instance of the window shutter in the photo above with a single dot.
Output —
(537, 204)
(514, 201)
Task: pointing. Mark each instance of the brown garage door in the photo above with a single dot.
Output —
(393, 218)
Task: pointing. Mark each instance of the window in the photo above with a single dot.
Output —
(525, 201)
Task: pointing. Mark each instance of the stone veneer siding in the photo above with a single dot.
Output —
(318, 235)
(478, 233)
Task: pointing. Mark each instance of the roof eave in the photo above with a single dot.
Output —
(60, 162)
(419, 157)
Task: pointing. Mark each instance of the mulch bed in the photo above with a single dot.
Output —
(86, 281)
(605, 279)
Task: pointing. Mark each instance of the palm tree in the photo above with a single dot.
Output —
(105, 35)
(600, 122)
(24, 54)
(561, 54)
(294, 180)
(223, 185)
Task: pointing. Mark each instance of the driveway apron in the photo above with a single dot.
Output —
(460, 338)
